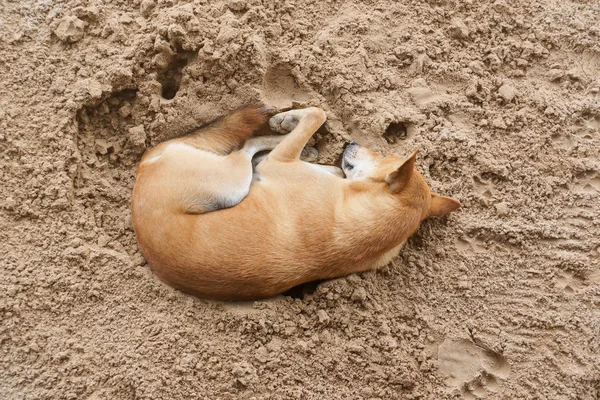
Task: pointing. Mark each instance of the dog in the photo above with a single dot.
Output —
(211, 224)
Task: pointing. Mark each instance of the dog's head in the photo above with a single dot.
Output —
(395, 177)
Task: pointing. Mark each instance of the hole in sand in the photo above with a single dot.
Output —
(169, 89)
(170, 79)
(300, 291)
(396, 131)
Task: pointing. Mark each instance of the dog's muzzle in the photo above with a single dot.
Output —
(348, 156)
(351, 149)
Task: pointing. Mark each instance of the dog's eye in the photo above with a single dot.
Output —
(349, 166)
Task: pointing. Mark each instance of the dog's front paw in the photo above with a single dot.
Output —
(283, 123)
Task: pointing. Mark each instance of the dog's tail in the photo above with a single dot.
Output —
(230, 131)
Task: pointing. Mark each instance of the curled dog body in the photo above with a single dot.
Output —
(211, 225)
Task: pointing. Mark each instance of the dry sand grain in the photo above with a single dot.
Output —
(500, 300)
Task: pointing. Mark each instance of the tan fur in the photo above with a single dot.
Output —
(299, 222)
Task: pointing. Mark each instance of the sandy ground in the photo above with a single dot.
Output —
(499, 300)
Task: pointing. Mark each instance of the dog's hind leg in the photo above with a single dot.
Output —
(229, 132)
(301, 125)
(225, 181)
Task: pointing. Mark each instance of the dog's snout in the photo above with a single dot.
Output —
(350, 148)
(350, 144)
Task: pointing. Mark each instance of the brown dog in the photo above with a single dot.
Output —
(208, 225)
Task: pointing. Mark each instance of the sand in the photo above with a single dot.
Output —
(499, 300)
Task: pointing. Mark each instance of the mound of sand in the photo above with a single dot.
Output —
(500, 300)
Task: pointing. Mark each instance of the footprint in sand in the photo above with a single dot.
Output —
(471, 369)
(484, 187)
(281, 88)
(573, 283)
(470, 244)
(588, 182)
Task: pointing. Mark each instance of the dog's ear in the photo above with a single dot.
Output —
(441, 205)
(400, 177)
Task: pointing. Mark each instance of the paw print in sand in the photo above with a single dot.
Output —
(569, 282)
(470, 244)
(588, 182)
(470, 369)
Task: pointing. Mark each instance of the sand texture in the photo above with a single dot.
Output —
(500, 300)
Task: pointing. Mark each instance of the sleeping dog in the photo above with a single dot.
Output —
(210, 224)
